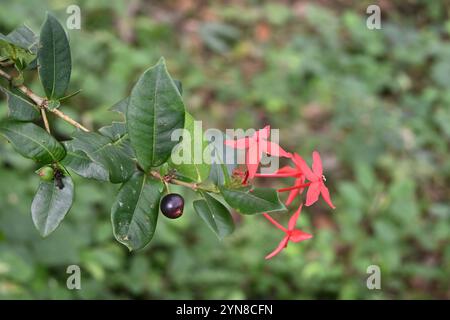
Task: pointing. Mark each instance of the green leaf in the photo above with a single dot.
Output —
(121, 106)
(54, 59)
(186, 149)
(251, 201)
(24, 38)
(179, 86)
(20, 108)
(32, 141)
(215, 215)
(107, 152)
(155, 110)
(117, 132)
(32, 65)
(222, 163)
(70, 95)
(51, 204)
(82, 165)
(53, 104)
(20, 46)
(134, 214)
(21, 57)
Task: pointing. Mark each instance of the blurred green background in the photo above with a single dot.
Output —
(375, 103)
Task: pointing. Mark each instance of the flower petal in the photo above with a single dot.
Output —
(263, 133)
(280, 247)
(326, 195)
(313, 193)
(303, 166)
(299, 235)
(253, 157)
(294, 218)
(273, 149)
(292, 195)
(238, 144)
(300, 181)
(317, 164)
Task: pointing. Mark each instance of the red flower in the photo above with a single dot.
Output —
(316, 186)
(288, 171)
(256, 145)
(292, 234)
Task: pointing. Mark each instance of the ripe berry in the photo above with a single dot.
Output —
(46, 173)
(172, 205)
(59, 175)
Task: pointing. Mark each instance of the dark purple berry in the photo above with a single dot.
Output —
(59, 175)
(172, 205)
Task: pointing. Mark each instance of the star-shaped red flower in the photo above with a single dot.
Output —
(255, 147)
(287, 171)
(292, 234)
(315, 176)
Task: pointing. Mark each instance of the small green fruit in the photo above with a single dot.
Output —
(46, 173)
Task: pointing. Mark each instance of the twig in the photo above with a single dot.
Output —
(193, 186)
(5, 75)
(44, 117)
(68, 119)
(43, 103)
(6, 63)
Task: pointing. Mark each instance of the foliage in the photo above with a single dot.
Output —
(133, 153)
(376, 100)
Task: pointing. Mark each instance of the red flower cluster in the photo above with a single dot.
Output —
(255, 147)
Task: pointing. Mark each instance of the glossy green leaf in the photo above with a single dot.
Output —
(24, 38)
(179, 86)
(222, 163)
(54, 59)
(117, 132)
(107, 152)
(53, 104)
(155, 110)
(20, 108)
(51, 204)
(32, 141)
(20, 56)
(121, 106)
(134, 214)
(252, 201)
(32, 65)
(191, 168)
(81, 164)
(215, 215)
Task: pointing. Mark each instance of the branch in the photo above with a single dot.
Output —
(68, 119)
(194, 186)
(44, 117)
(43, 103)
(155, 174)
(5, 75)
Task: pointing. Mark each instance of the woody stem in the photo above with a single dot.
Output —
(43, 103)
(168, 179)
(45, 119)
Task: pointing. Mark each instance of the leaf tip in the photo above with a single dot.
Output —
(162, 60)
